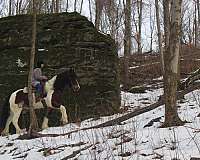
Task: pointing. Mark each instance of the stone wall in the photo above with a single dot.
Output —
(63, 40)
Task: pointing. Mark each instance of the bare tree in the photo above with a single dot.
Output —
(111, 9)
(75, 3)
(195, 25)
(152, 25)
(81, 7)
(53, 6)
(127, 41)
(198, 10)
(166, 21)
(171, 58)
(90, 8)
(159, 34)
(198, 25)
(33, 118)
(57, 6)
(10, 8)
(139, 4)
(97, 14)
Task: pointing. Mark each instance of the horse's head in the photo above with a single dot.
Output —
(67, 77)
(73, 80)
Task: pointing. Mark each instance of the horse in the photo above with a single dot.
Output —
(54, 88)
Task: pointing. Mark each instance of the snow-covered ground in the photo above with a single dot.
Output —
(138, 138)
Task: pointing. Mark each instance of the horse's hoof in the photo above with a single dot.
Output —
(45, 127)
(4, 133)
(64, 122)
(20, 131)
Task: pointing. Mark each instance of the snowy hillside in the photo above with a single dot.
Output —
(137, 138)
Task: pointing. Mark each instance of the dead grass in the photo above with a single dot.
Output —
(146, 68)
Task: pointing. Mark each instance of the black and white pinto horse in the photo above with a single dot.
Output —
(54, 88)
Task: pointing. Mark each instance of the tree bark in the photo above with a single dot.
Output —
(57, 6)
(112, 15)
(67, 5)
(139, 26)
(98, 13)
(198, 10)
(10, 8)
(81, 6)
(53, 6)
(166, 21)
(33, 118)
(127, 42)
(198, 24)
(46, 6)
(75, 1)
(159, 35)
(171, 58)
(90, 8)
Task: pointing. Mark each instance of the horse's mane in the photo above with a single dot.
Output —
(62, 79)
(59, 81)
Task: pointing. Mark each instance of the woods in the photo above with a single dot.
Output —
(113, 79)
(125, 22)
(127, 18)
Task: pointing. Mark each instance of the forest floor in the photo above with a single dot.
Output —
(146, 68)
(138, 138)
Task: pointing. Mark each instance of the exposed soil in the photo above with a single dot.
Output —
(146, 68)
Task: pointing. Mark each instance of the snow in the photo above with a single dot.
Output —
(133, 139)
(20, 63)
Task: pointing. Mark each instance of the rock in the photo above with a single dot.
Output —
(63, 40)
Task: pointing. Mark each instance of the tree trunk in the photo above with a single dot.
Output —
(127, 42)
(10, 8)
(198, 10)
(112, 12)
(67, 5)
(57, 6)
(171, 58)
(166, 21)
(198, 26)
(33, 118)
(53, 6)
(90, 8)
(159, 35)
(195, 26)
(46, 6)
(152, 20)
(81, 6)
(98, 14)
(140, 26)
(75, 1)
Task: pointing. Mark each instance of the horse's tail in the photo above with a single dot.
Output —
(4, 113)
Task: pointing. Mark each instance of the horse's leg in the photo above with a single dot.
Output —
(9, 120)
(64, 118)
(45, 120)
(15, 119)
(45, 123)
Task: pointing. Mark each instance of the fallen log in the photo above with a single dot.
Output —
(116, 121)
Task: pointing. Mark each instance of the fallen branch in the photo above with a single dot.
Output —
(180, 95)
(75, 153)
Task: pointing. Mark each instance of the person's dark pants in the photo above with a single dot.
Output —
(39, 88)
